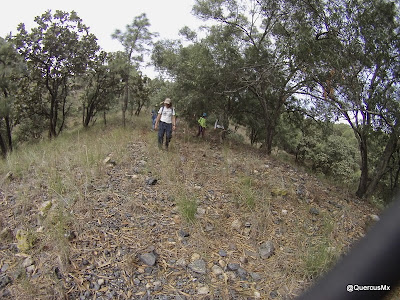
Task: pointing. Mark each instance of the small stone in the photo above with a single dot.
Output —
(273, 294)
(242, 273)
(236, 224)
(30, 269)
(58, 273)
(201, 211)
(85, 262)
(157, 285)
(183, 233)
(195, 256)
(151, 181)
(217, 270)
(4, 280)
(233, 267)
(257, 295)
(27, 262)
(100, 282)
(314, 211)
(243, 259)
(231, 275)
(148, 259)
(266, 249)
(4, 267)
(255, 276)
(222, 253)
(284, 212)
(374, 218)
(198, 266)
(301, 191)
(203, 290)
(181, 262)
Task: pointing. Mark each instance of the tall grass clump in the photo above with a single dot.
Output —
(187, 207)
(322, 254)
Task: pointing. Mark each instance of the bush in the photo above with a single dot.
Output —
(334, 157)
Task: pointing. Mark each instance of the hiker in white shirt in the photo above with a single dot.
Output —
(166, 122)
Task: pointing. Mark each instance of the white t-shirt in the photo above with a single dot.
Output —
(166, 114)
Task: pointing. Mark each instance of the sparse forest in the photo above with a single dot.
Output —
(311, 84)
(285, 71)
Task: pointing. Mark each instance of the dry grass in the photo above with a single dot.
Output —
(203, 188)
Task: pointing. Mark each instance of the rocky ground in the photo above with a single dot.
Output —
(200, 221)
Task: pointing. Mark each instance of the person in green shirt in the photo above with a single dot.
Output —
(202, 125)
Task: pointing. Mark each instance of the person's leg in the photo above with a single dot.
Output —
(161, 132)
(168, 130)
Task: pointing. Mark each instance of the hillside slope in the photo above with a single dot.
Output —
(107, 215)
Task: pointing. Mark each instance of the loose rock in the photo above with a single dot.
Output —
(148, 259)
(217, 270)
(4, 280)
(198, 266)
(222, 253)
(266, 249)
(203, 290)
(236, 224)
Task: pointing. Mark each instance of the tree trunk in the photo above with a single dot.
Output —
(3, 146)
(269, 135)
(8, 129)
(363, 184)
(382, 164)
(125, 104)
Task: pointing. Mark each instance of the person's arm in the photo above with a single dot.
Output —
(173, 122)
(157, 121)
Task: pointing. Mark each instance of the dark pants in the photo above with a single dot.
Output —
(201, 131)
(164, 128)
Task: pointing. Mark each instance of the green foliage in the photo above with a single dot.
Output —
(234, 73)
(140, 90)
(188, 208)
(59, 48)
(134, 39)
(25, 240)
(246, 193)
(334, 156)
(11, 70)
(101, 84)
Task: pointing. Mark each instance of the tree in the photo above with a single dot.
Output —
(101, 85)
(134, 40)
(140, 91)
(59, 48)
(356, 70)
(204, 73)
(270, 71)
(11, 68)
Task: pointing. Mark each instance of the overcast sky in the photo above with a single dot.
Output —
(166, 17)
